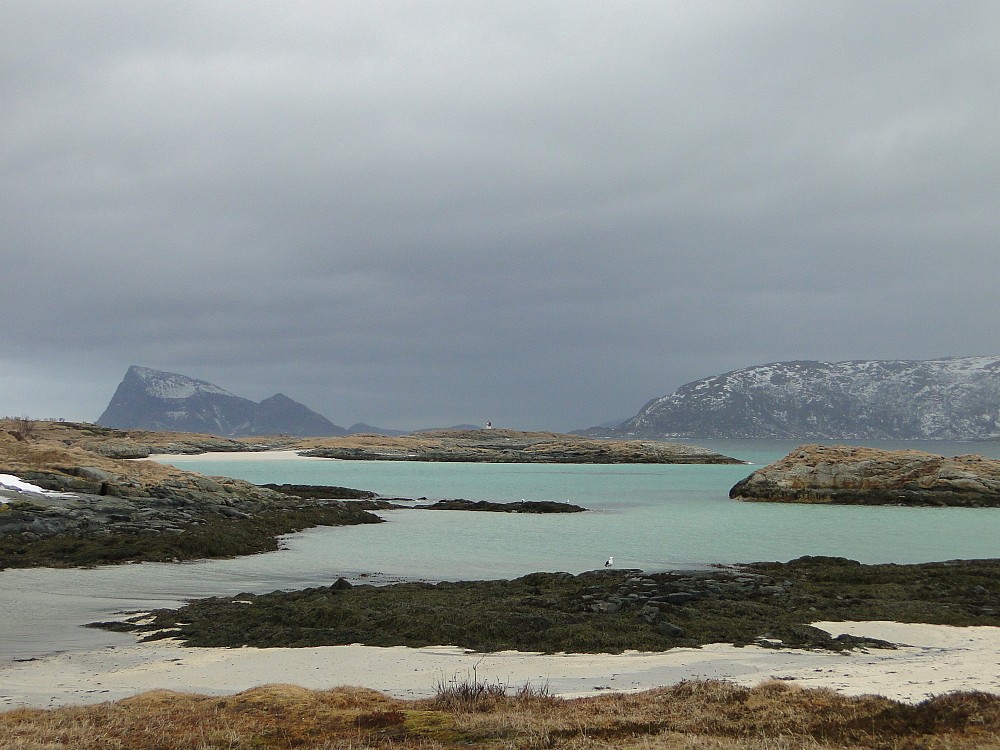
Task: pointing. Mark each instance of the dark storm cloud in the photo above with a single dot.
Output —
(538, 213)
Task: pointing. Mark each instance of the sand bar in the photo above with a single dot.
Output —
(937, 659)
(282, 455)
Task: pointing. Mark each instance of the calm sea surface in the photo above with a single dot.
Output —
(647, 516)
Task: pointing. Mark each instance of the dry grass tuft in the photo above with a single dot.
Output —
(717, 715)
(470, 694)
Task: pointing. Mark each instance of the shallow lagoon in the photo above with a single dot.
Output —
(647, 516)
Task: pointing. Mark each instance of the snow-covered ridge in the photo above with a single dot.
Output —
(171, 385)
(954, 398)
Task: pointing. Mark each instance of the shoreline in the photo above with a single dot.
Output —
(937, 659)
(275, 455)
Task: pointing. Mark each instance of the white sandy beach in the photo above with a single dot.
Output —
(937, 659)
(284, 455)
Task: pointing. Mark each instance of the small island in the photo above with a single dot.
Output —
(487, 506)
(857, 475)
(508, 446)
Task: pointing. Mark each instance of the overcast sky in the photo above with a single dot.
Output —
(541, 213)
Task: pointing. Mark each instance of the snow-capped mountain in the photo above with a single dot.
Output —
(150, 399)
(950, 399)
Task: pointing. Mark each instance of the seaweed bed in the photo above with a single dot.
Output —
(212, 537)
(770, 604)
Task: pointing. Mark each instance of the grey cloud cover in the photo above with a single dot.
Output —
(542, 213)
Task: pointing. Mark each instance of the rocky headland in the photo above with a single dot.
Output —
(868, 476)
(90, 509)
(508, 446)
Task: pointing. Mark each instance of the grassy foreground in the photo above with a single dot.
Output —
(717, 715)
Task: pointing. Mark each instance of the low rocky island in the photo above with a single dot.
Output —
(509, 446)
(869, 476)
(485, 446)
(371, 501)
(525, 506)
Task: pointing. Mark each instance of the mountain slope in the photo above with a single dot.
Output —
(951, 399)
(150, 399)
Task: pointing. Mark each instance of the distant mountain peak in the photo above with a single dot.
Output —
(170, 384)
(151, 399)
(278, 398)
(954, 398)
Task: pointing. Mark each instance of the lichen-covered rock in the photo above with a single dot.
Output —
(869, 476)
(117, 448)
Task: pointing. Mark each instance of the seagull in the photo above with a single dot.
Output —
(610, 562)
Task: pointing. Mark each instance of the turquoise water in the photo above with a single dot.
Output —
(647, 516)
(650, 517)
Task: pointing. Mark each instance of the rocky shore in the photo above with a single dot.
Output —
(88, 509)
(609, 610)
(868, 476)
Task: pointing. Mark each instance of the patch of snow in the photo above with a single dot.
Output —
(10, 482)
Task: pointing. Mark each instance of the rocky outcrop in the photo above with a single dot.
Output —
(150, 399)
(79, 507)
(86, 508)
(942, 399)
(525, 506)
(868, 476)
(371, 501)
(111, 443)
(136, 497)
(510, 446)
(321, 491)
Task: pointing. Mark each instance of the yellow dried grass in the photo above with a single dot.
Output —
(718, 715)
